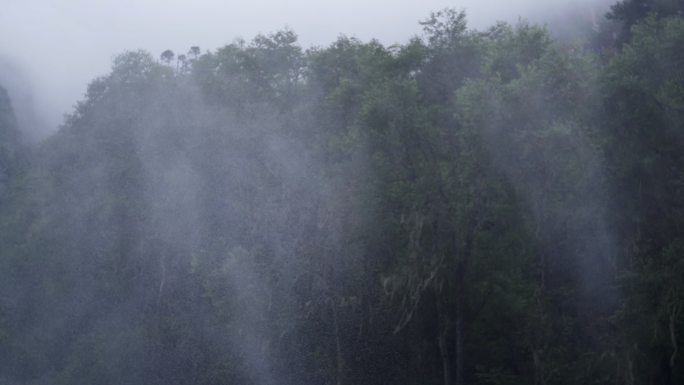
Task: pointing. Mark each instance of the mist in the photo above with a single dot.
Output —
(61, 46)
(341, 193)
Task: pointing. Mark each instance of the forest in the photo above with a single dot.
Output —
(496, 206)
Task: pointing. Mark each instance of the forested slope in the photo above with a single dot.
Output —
(471, 207)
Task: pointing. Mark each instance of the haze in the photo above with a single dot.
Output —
(50, 50)
(340, 193)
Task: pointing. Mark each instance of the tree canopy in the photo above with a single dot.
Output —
(470, 207)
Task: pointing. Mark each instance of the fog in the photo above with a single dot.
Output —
(60, 46)
(339, 193)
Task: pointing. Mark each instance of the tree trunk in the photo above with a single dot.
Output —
(338, 345)
(162, 280)
(459, 349)
(444, 353)
(538, 369)
(443, 342)
(459, 311)
(673, 336)
(538, 342)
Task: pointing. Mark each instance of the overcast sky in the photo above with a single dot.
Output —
(51, 49)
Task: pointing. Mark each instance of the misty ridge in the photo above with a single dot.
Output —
(502, 205)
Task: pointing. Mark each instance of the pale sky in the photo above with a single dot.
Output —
(59, 46)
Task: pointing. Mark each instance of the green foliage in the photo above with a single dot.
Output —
(466, 208)
(644, 150)
(632, 12)
(9, 141)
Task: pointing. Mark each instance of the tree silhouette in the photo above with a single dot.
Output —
(182, 63)
(194, 52)
(167, 56)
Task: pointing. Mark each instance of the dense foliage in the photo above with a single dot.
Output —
(471, 207)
